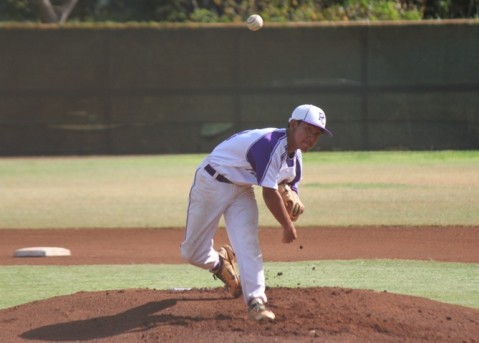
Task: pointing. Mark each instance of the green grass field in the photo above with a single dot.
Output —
(454, 283)
(339, 188)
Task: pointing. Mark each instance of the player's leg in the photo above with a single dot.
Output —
(207, 201)
(241, 219)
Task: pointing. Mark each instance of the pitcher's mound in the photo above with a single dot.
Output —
(302, 315)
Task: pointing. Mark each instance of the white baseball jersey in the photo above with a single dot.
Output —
(258, 157)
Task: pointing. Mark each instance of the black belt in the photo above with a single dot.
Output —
(217, 176)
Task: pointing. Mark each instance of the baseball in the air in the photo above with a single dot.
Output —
(254, 22)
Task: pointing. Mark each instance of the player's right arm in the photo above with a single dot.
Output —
(275, 204)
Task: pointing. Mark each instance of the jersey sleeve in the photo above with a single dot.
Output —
(265, 156)
(299, 172)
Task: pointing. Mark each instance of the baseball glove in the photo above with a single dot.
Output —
(291, 201)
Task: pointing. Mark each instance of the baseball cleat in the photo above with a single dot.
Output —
(226, 271)
(258, 311)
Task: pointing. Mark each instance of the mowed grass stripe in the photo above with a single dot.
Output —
(454, 283)
(338, 188)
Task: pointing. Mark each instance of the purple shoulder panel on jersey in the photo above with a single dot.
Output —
(260, 153)
(294, 184)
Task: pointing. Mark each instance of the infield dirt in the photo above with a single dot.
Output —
(211, 315)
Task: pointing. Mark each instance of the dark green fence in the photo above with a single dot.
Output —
(182, 90)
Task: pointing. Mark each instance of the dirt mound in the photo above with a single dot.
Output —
(303, 315)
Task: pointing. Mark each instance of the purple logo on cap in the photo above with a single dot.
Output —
(322, 119)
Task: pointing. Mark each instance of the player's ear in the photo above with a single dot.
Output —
(293, 123)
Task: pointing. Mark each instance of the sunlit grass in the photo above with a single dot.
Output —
(338, 188)
(446, 282)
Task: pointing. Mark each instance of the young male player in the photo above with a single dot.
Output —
(223, 186)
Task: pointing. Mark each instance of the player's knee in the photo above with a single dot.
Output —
(188, 255)
(194, 258)
(185, 253)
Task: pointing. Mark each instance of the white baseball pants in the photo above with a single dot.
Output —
(209, 200)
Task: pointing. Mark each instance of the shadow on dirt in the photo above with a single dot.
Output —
(212, 315)
(138, 319)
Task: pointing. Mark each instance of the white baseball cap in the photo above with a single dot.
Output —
(312, 115)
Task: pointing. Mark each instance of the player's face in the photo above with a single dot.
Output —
(306, 136)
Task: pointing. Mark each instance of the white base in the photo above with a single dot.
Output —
(42, 252)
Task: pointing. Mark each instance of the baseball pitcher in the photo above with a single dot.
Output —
(223, 186)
